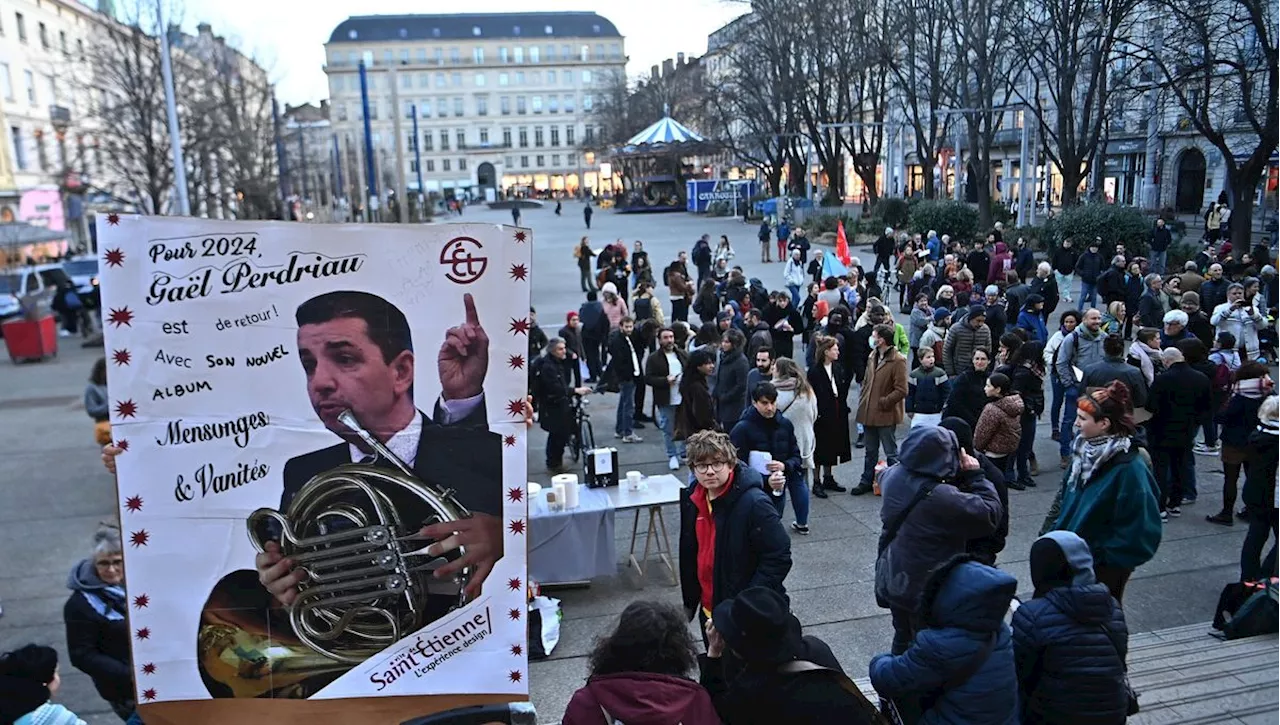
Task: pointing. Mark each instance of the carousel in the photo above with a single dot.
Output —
(654, 165)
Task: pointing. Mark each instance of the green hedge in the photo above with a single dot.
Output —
(893, 211)
(1115, 224)
(946, 217)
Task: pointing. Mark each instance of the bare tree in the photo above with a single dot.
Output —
(925, 70)
(1218, 62)
(866, 62)
(1070, 49)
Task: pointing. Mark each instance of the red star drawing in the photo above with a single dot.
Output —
(515, 676)
(515, 494)
(509, 441)
(513, 614)
(126, 408)
(515, 407)
(123, 444)
(121, 357)
(120, 317)
(139, 538)
(113, 219)
(519, 272)
(149, 694)
(149, 668)
(133, 504)
(521, 237)
(143, 633)
(518, 327)
(515, 362)
(516, 526)
(514, 584)
(516, 650)
(114, 257)
(141, 601)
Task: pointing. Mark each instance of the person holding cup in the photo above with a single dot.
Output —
(761, 430)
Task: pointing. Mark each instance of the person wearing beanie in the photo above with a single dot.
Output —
(1180, 403)
(1069, 641)
(782, 674)
(1197, 321)
(962, 339)
(28, 681)
(934, 336)
(1031, 319)
(962, 657)
(1108, 495)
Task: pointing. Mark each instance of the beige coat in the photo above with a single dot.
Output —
(884, 390)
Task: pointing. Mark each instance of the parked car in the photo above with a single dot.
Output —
(83, 272)
(29, 285)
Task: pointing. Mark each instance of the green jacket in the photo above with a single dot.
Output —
(1116, 512)
(901, 341)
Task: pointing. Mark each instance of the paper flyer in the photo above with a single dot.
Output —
(322, 477)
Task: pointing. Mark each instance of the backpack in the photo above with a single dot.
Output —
(71, 300)
(1222, 383)
(1247, 609)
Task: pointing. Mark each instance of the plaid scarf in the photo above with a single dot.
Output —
(1090, 453)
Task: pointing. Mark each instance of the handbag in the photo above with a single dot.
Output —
(867, 712)
(1132, 707)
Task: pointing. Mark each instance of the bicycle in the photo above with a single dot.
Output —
(582, 437)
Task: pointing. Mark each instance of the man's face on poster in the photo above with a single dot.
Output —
(346, 370)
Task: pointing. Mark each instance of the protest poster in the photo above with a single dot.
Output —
(321, 484)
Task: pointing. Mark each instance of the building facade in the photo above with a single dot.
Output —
(502, 101)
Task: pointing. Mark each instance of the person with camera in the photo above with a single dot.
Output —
(1240, 319)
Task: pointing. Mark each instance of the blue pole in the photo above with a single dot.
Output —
(337, 165)
(417, 157)
(370, 173)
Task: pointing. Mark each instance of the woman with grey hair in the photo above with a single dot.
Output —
(97, 627)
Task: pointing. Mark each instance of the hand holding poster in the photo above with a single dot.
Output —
(323, 467)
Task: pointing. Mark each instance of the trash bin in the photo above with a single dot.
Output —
(31, 339)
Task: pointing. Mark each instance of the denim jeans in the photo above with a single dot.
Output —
(1175, 469)
(1088, 295)
(666, 420)
(1055, 408)
(798, 488)
(795, 295)
(626, 408)
(586, 280)
(877, 437)
(1262, 525)
(1065, 283)
(1210, 428)
(1067, 429)
(1158, 261)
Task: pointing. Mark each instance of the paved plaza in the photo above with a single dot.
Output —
(54, 492)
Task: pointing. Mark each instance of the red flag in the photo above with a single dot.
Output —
(842, 245)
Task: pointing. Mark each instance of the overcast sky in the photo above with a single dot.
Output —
(288, 36)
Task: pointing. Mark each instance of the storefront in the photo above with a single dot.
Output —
(1122, 171)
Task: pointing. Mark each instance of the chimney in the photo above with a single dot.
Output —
(679, 59)
(324, 108)
(653, 72)
(204, 29)
(667, 68)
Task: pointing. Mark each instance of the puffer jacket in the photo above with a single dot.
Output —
(963, 609)
(1260, 468)
(1000, 427)
(958, 347)
(927, 390)
(1069, 644)
(963, 505)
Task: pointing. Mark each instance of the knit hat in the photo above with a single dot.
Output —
(1114, 403)
(941, 314)
(977, 311)
(609, 287)
(570, 315)
(991, 290)
(758, 626)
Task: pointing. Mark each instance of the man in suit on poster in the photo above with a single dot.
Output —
(357, 351)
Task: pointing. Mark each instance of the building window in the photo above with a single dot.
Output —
(438, 55)
(551, 53)
(506, 138)
(413, 166)
(537, 104)
(62, 42)
(373, 110)
(42, 158)
(445, 165)
(570, 160)
(533, 54)
(566, 52)
(587, 102)
(524, 137)
(408, 109)
(456, 79)
(455, 56)
(431, 165)
(462, 164)
(484, 137)
(482, 105)
(555, 159)
(6, 81)
(540, 160)
(568, 103)
(510, 162)
(30, 79)
(551, 78)
(342, 111)
(440, 80)
(442, 109)
(537, 137)
(22, 26)
(502, 56)
(535, 78)
(19, 152)
(388, 57)
(424, 107)
(44, 40)
(568, 136)
(428, 141)
(553, 104)
(424, 80)
(477, 55)
(503, 79)
(421, 55)
(504, 105)
(524, 162)
(519, 78)
(520, 105)
(588, 134)
(518, 54)
(584, 53)
(461, 138)
(475, 30)
(444, 140)
(406, 81)
(586, 77)
(599, 51)
(555, 135)
(457, 107)
(615, 50)
(404, 56)
(479, 80)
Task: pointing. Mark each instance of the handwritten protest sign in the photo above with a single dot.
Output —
(321, 488)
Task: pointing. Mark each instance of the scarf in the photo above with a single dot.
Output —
(1251, 388)
(1090, 453)
(1270, 427)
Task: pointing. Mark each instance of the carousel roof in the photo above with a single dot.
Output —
(665, 130)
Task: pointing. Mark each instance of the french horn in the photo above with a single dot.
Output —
(368, 574)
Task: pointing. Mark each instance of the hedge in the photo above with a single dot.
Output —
(1113, 223)
(946, 217)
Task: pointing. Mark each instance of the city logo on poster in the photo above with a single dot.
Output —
(464, 266)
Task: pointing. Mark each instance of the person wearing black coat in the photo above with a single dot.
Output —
(978, 261)
(1070, 641)
(1089, 267)
(1111, 286)
(1259, 495)
(729, 381)
(572, 336)
(968, 391)
(595, 332)
(762, 428)
(784, 675)
(1179, 403)
(96, 622)
(831, 429)
(784, 322)
(984, 548)
(1047, 287)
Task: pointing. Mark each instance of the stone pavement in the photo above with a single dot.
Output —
(54, 491)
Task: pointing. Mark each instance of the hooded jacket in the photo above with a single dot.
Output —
(640, 698)
(1070, 641)
(963, 505)
(999, 427)
(729, 387)
(98, 632)
(752, 549)
(1260, 468)
(1115, 511)
(963, 608)
(1001, 262)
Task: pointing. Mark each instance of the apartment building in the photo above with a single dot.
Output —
(503, 100)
